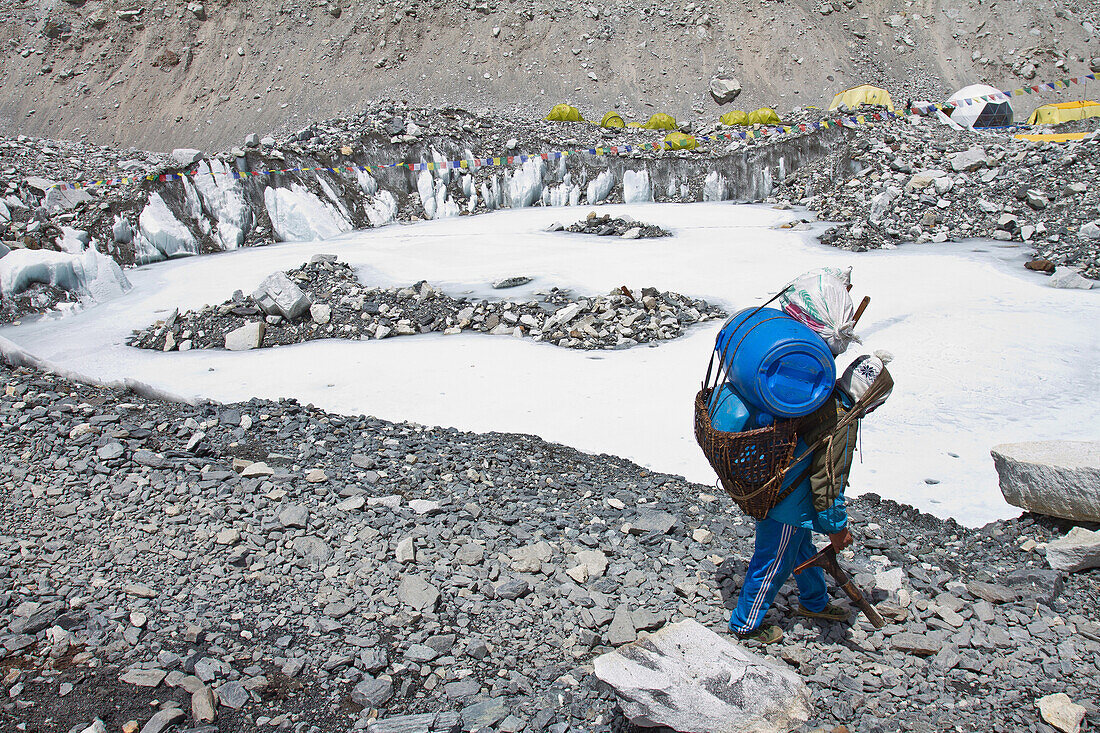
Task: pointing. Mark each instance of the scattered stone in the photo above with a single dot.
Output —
(203, 708)
(371, 693)
(511, 282)
(417, 593)
(724, 89)
(1078, 550)
(246, 337)
(1061, 712)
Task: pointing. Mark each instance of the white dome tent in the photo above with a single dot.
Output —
(970, 111)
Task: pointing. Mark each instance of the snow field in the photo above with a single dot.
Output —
(984, 351)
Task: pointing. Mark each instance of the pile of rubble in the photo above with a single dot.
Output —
(922, 181)
(34, 300)
(324, 299)
(270, 566)
(607, 226)
(34, 212)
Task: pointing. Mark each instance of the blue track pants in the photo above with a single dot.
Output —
(779, 549)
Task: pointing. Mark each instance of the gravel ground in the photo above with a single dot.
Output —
(311, 571)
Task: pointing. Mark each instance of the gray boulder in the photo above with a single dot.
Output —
(277, 295)
(184, 157)
(1060, 478)
(1078, 550)
(689, 678)
(724, 89)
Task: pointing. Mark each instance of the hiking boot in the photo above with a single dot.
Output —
(762, 636)
(829, 613)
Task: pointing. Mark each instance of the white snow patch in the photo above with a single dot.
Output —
(73, 240)
(636, 187)
(161, 234)
(223, 197)
(298, 215)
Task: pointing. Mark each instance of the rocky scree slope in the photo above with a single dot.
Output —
(162, 75)
(267, 563)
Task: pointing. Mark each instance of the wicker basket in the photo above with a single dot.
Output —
(750, 465)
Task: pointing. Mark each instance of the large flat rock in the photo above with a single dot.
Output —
(689, 678)
(1060, 478)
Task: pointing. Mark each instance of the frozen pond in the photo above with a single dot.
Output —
(984, 351)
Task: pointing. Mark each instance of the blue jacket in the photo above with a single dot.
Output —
(797, 509)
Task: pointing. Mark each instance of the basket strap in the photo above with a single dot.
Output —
(883, 383)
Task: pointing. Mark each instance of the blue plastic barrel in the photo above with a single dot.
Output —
(730, 414)
(776, 363)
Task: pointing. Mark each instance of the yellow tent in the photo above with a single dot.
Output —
(763, 116)
(661, 121)
(863, 94)
(736, 117)
(680, 141)
(1053, 114)
(564, 113)
(612, 119)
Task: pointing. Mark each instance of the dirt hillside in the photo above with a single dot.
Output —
(161, 75)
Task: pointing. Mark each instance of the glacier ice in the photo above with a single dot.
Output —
(367, 182)
(161, 234)
(333, 196)
(433, 194)
(636, 188)
(525, 184)
(73, 240)
(298, 215)
(601, 187)
(88, 274)
(567, 194)
(382, 210)
(492, 193)
(714, 187)
(223, 199)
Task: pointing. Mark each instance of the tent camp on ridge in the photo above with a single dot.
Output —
(734, 117)
(980, 105)
(764, 116)
(612, 119)
(564, 113)
(661, 121)
(1059, 112)
(860, 95)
